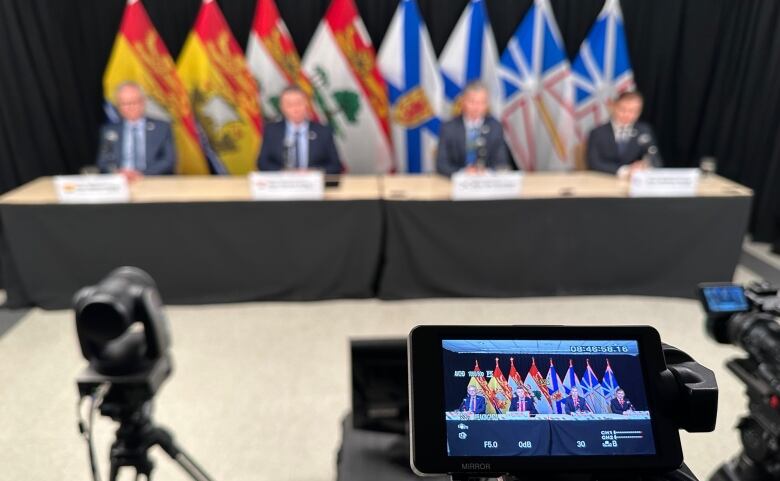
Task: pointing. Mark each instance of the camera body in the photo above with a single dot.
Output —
(545, 401)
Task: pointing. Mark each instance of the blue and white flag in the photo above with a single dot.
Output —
(408, 63)
(602, 69)
(469, 55)
(538, 94)
(571, 380)
(591, 391)
(609, 384)
(555, 388)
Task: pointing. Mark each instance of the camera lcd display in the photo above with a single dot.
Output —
(545, 398)
(725, 298)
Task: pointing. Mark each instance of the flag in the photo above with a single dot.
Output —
(555, 388)
(591, 391)
(223, 92)
(571, 380)
(538, 387)
(492, 404)
(140, 56)
(514, 376)
(470, 54)
(500, 386)
(609, 384)
(341, 63)
(408, 63)
(273, 59)
(538, 93)
(601, 70)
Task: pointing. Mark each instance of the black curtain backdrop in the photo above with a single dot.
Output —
(709, 69)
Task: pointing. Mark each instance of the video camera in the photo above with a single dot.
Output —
(533, 402)
(746, 317)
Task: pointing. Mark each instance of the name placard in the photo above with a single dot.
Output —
(308, 185)
(92, 189)
(486, 186)
(664, 183)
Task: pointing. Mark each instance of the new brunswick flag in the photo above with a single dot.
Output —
(140, 56)
(223, 93)
(341, 63)
(273, 60)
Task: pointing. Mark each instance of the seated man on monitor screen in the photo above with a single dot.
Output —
(522, 402)
(575, 404)
(473, 141)
(621, 405)
(296, 142)
(473, 403)
(623, 145)
(137, 145)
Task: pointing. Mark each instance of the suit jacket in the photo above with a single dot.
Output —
(451, 154)
(322, 148)
(603, 155)
(464, 406)
(160, 152)
(582, 405)
(529, 405)
(614, 405)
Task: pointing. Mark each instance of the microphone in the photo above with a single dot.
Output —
(109, 149)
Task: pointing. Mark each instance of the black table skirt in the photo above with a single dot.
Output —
(541, 247)
(198, 253)
(214, 252)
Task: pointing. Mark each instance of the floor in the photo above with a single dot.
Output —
(259, 390)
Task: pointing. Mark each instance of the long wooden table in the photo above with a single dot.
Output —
(394, 237)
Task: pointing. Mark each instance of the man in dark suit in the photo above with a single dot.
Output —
(522, 402)
(621, 405)
(473, 402)
(475, 140)
(295, 142)
(137, 145)
(575, 404)
(623, 145)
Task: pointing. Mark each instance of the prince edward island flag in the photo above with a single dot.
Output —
(602, 69)
(341, 63)
(408, 64)
(538, 94)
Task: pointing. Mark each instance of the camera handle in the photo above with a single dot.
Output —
(682, 474)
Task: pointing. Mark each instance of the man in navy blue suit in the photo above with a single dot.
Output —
(473, 402)
(621, 405)
(574, 404)
(623, 145)
(473, 141)
(522, 402)
(138, 145)
(295, 142)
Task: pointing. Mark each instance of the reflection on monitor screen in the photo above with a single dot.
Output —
(545, 398)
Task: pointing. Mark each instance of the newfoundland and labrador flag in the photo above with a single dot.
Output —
(537, 90)
(469, 55)
(273, 59)
(140, 56)
(341, 63)
(408, 63)
(223, 92)
(601, 70)
(591, 391)
(609, 384)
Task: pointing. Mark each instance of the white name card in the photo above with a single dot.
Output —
(305, 185)
(92, 189)
(486, 186)
(664, 183)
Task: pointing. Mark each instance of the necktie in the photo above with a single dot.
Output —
(298, 160)
(522, 406)
(576, 404)
(622, 139)
(473, 404)
(138, 155)
(471, 145)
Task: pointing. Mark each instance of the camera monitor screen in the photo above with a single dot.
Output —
(724, 298)
(545, 398)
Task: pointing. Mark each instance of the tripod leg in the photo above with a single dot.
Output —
(165, 440)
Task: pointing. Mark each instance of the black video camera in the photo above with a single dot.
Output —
(537, 402)
(746, 317)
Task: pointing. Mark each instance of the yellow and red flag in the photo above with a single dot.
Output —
(140, 56)
(224, 94)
